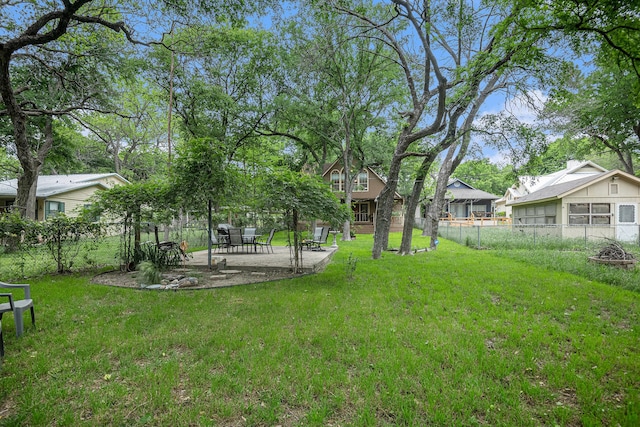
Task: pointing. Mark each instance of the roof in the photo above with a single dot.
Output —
(573, 171)
(50, 185)
(558, 191)
(471, 194)
(467, 192)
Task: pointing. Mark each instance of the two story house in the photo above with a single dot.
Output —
(368, 185)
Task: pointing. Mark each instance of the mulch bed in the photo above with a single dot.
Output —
(206, 279)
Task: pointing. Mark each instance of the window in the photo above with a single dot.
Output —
(52, 209)
(589, 214)
(613, 189)
(627, 214)
(362, 181)
(336, 180)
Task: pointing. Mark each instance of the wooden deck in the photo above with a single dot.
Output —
(476, 221)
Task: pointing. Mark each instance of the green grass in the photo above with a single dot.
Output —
(451, 337)
(543, 248)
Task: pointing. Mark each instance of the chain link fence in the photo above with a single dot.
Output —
(544, 236)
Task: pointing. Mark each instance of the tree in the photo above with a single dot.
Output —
(52, 62)
(603, 106)
(487, 176)
(58, 59)
(341, 88)
(444, 67)
(138, 131)
(301, 196)
(132, 205)
(201, 178)
(609, 27)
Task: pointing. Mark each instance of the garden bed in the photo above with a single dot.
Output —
(206, 279)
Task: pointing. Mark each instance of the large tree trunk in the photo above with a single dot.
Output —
(25, 198)
(412, 204)
(31, 163)
(347, 160)
(433, 217)
(385, 208)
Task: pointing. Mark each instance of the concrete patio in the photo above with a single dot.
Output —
(280, 259)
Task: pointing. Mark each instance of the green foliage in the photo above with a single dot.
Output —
(350, 266)
(131, 205)
(201, 174)
(18, 232)
(66, 238)
(486, 176)
(308, 195)
(149, 273)
(162, 257)
(605, 107)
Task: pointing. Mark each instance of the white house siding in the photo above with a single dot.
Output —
(111, 181)
(73, 201)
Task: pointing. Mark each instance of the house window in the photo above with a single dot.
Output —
(52, 209)
(589, 214)
(613, 189)
(541, 214)
(336, 180)
(361, 183)
(627, 214)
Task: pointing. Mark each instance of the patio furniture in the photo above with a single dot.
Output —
(317, 234)
(10, 297)
(217, 242)
(17, 307)
(315, 243)
(235, 239)
(267, 243)
(249, 237)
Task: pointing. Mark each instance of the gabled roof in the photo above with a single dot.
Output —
(467, 192)
(574, 170)
(558, 191)
(51, 185)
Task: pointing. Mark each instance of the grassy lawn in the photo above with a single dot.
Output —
(451, 337)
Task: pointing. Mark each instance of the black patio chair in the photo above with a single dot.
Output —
(218, 242)
(317, 234)
(315, 244)
(235, 239)
(267, 243)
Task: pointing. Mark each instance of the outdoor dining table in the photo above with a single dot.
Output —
(251, 239)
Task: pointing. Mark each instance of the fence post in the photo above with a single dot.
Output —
(535, 229)
(460, 228)
(478, 238)
(585, 236)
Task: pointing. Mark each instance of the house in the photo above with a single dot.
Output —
(367, 188)
(603, 205)
(528, 184)
(462, 200)
(60, 193)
